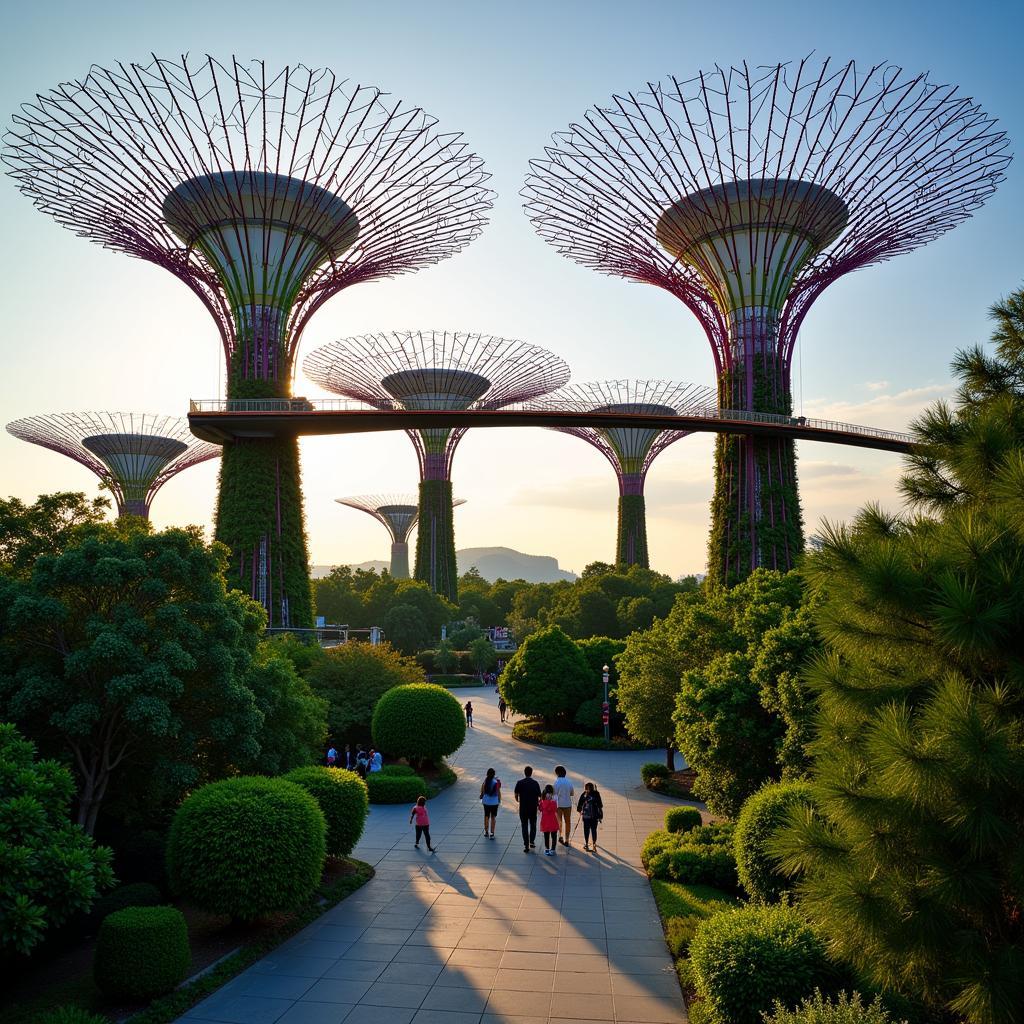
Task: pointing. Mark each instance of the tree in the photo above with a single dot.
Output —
(913, 868)
(128, 645)
(352, 678)
(405, 628)
(483, 655)
(51, 868)
(547, 676)
(45, 527)
(445, 659)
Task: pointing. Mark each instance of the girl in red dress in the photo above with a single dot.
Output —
(549, 821)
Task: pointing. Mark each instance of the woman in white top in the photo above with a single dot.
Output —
(490, 797)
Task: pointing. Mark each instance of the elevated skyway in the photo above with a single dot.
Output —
(225, 420)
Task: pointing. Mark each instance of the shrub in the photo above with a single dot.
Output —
(653, 770)
(343, 798)
(761, 816)
(657, 842)
(844, 1009)
(419, 721)
(398, 769)
(746, 960)
(395, 789)
(698, 865)
(531, 730)
(51, 869)
(679, 932)
(247, 846)
(70, 1015)
(141, 952)
(682, 819)
(137, 894)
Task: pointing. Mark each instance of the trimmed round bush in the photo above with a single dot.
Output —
(397, 769)
(744, 961)
(71, 1015)
(682, 819)
(247, 847)
(136, 894)
(844, 1009)
(395, 789)
(658, 841)
(344, 800)
(418, 721)
(761, 816)
(653, 770)
(141, 952)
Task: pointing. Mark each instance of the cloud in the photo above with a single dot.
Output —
(591, 494)
(891, 411)
(877, 385)
(809, 470)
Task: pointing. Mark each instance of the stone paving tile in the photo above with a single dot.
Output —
(481, 933)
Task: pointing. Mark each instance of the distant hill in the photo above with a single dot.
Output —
(491, 563)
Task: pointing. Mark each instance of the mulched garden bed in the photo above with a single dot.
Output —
(678, 784)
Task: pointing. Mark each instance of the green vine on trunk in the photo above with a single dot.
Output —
(631, 545)
(435, 540)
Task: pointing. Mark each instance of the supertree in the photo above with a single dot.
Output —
(745, 193)
(266, 191)
(631, 450)
(399, 514)
(436, 370)
(134, 454)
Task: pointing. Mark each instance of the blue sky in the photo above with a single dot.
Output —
(84, 328)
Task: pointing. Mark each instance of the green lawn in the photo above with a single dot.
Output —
(683, 907)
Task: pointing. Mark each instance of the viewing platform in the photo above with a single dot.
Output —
(225, 420)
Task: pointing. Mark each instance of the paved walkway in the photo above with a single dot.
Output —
(480, 932)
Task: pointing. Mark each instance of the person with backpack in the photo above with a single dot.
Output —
(490, 797)
(502, 708)
(422, 818)
(592, 812)
(362, 762)
(469, 713)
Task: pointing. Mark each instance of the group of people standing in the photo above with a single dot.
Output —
(362, 762)
(553, 804)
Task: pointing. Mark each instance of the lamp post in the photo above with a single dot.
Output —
(604, 706)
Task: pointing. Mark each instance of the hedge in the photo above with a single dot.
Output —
(141, 952)
(342, 797)
(397, 769)
(71, 1015)
(653, 770)
(844, 1009)
(247, 847)
(760, 817)
(682, 819)
(135, 894)
(395, 789)
(744, 961)
(702, 856)
(419, 720)
(532, 730)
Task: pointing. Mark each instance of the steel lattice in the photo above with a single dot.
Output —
(133, 454)
(436, 369)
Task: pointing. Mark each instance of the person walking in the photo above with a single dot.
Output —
(490, 796)
(502, 709)
(549, 821)
(468, 708)
(527, 794)
(349, 763)
(332, 754)
(362, 762)
(591, 811)
(422, 819)
(564, 793)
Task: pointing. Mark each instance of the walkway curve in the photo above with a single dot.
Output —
(480, 932)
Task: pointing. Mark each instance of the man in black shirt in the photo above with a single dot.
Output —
(527, 794)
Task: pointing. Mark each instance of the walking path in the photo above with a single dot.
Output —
(480, 932)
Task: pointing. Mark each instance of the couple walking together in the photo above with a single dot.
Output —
(554, 803)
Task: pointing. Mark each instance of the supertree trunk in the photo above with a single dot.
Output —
(631, 544)
(259, 503)
(435, 541)
(400, 560)
(756, 519)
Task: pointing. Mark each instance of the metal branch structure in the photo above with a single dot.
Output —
(133, 454)
(631, 450)
(266, 191)
(745, 192)
(398, 513)
(436, 370)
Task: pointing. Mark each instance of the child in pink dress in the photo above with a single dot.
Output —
(419, 812)
(549, 821)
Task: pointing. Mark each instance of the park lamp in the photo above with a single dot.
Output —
(604, 706)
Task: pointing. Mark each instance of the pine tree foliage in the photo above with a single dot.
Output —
(915, 865)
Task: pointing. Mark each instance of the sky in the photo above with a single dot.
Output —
(86, 329)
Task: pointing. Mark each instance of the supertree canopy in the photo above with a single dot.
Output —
(399, 514)
(745, 192)
(631, 450)
(266, 191)
(436, 370)
(133, 454)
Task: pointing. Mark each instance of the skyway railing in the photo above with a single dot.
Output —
(285, 406)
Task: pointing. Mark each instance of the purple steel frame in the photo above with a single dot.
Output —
(143, 434)
(907, 158)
